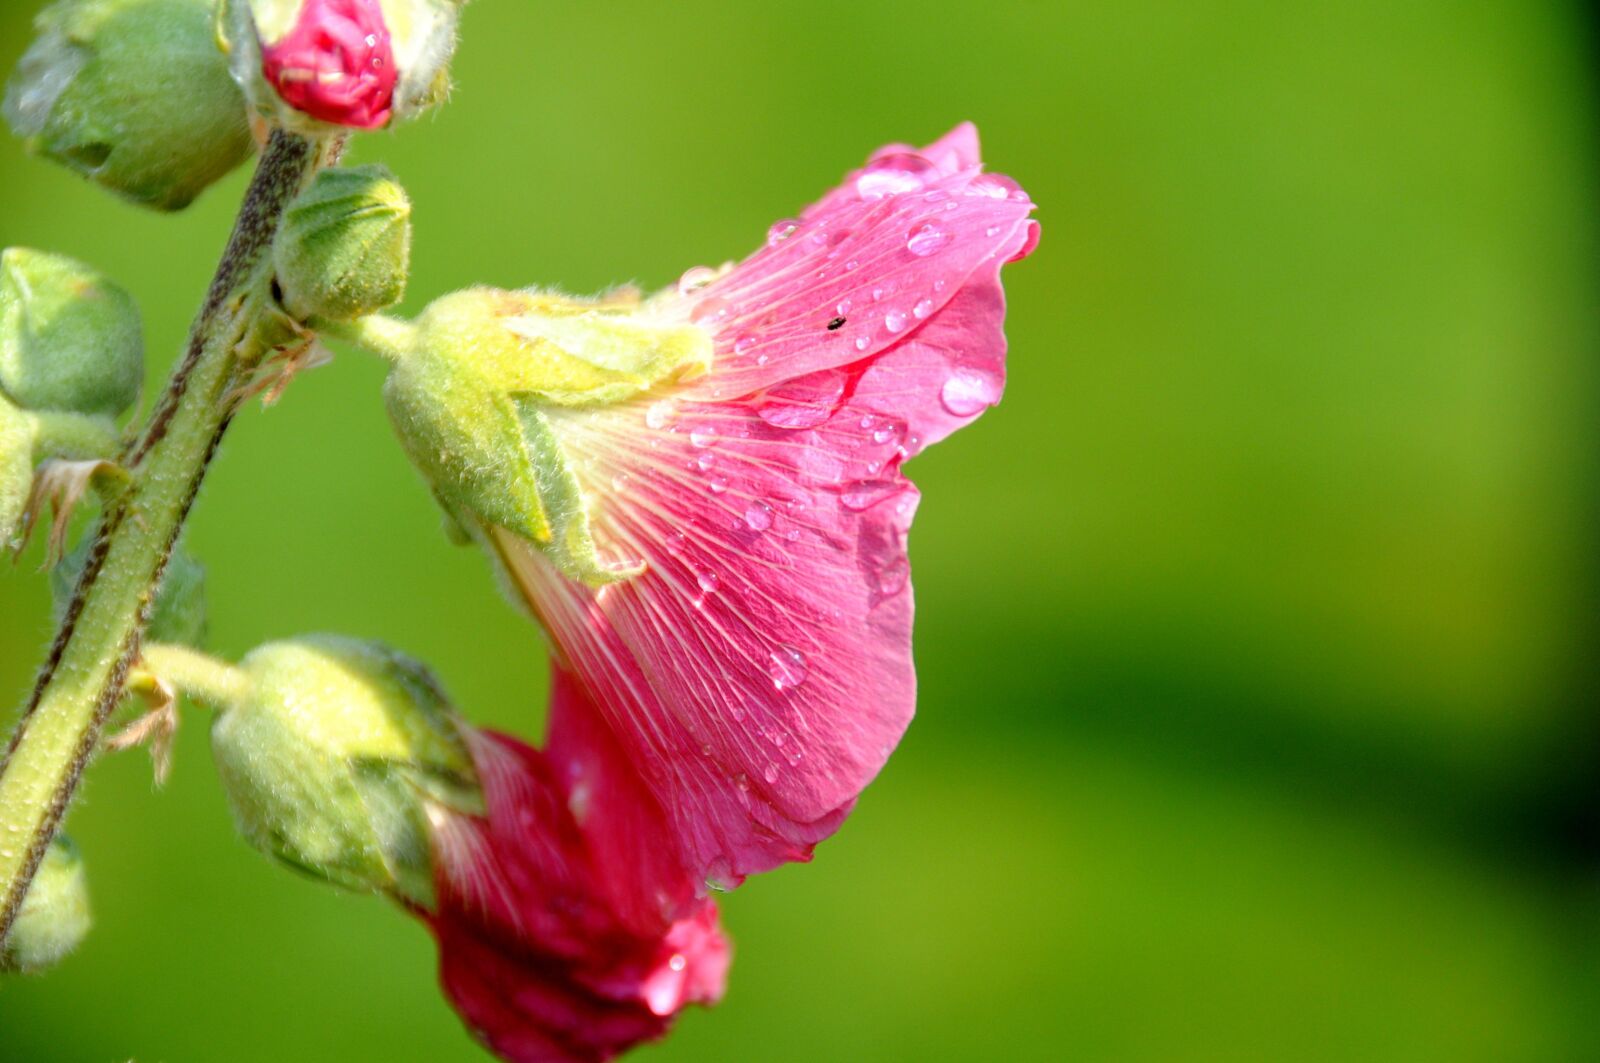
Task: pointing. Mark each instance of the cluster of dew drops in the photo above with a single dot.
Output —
(810, 401)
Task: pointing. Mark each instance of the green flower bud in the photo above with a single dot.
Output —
(471, 392)
(344, 249)
(179, 613)
(55, 912)
(69, 338)
(331, 756)
(132, 94)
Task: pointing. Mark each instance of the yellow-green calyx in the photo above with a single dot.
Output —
(344, 248)
(133, 95)
(70, 339)
(55, 912)
(472, 383)
(332, 753)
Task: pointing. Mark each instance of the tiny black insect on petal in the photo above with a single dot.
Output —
(835, 324)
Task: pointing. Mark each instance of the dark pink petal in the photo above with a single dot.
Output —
(861, 269)
(758, 673)
(543, 949)
(336, 64)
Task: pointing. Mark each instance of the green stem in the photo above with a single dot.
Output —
(76, 436)
(387, 337)
(196, 675)
(83, 676)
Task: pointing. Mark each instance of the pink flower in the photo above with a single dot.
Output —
(758, 673)
(336, 64)
(567, 929)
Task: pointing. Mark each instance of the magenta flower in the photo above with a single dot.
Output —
(757, 672)
(335, 64)
(567, 930)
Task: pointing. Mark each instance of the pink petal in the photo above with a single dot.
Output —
(336, 64)
(758, 674)
(534, 952)
(861, 269)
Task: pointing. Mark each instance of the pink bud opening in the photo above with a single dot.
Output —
(336, 65)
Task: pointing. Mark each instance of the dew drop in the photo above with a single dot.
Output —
(863, 342)
(969, 392)
(702, 437)
(771, 772)
(714, 307)
(893, 576)
(781, 231)
(677, 963)
(927, 240)
(864, 494)
(804, 402)
(737, 712)
(717, 484)
(888, 432)
(844, 307)
(705, 462)
(992, 231)
(619, 482)
(743, 344)
(787, 667)
(658, 414)
(758, 516)
(708, 581)
(894, 321)
(695, 279)
(923, 308)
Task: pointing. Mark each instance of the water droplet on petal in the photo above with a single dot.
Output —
(708, 581)
(893, 174)
(844, 307)
(771, 772)
(992, 231)
(737, 712)
(695, 279)
(927, 240)
(863, 342)
(923, 308)
(717, 484)
(968, 392)
(619, 482)
(758, 516)
(894, 321)
(743, 344)
(704, 462)
(714, 307)
(658, 414)
(888, 432)
(787, 667)
(804, 402)
(781, 231)
(702, 437)
(864, 494)
(893, 576)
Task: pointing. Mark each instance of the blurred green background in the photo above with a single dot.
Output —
(1256, 628)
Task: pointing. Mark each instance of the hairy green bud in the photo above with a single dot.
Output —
(344, 248)
(331, 757)
(132, 94)
(69, 338)
(54, 917)
(472, 389)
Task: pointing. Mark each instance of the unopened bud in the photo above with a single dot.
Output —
(344, 249)
(352, 63)
(132, 94)
(469, 401)
(69, 338)
(178, 615)
(332, 757)
(54, 916)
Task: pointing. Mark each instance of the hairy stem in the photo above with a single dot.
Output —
(82, 677)
(196, 675)
(387, 337)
